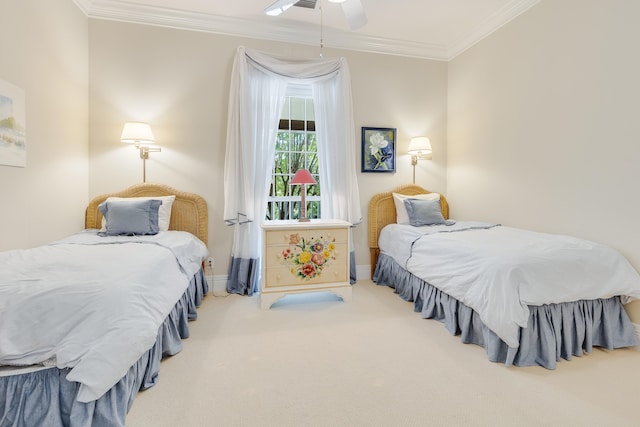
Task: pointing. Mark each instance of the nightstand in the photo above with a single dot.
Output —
(303, 257)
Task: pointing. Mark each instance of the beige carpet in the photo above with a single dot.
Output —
(313, 360)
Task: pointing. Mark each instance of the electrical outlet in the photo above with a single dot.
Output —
(210, 262)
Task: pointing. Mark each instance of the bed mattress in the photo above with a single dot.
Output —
(92, 304)
(500, 272)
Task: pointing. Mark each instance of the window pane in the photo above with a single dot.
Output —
(313, 209)
(276, 210)
(281, 184)
(314, 190)
(285, 212)
(297, 161)
(298, 141)
(310, 110)
(269, 211)
(296, 148)
(312, 164)
(282, 142)
(312, 144)
(281, 164)
(272, 187)
(298, 109)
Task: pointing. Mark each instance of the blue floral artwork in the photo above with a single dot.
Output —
(378, 149)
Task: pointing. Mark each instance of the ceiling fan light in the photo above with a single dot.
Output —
(278, 7)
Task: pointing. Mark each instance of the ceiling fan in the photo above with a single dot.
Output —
(352, 9)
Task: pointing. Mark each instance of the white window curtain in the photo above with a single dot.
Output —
(258, 87)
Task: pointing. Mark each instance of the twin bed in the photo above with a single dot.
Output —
(528, 298)
(86, 320)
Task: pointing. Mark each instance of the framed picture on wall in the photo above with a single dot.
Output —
(13, 139)
(378, 149)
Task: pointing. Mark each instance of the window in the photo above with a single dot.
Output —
(296, 148)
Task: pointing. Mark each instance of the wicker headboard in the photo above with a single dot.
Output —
(382, 211)
(188, 213)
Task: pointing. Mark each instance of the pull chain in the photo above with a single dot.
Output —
(321, 28)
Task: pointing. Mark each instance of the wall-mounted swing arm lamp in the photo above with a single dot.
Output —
(419, 148)
(139, 134)
(303, 177)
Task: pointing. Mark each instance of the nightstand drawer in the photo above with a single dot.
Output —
(293, 237)
(284, 276)
(290, 265)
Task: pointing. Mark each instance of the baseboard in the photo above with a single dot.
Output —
(218, 284)
(363, 272)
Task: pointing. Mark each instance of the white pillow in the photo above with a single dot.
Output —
(164, 212)
(401, 210)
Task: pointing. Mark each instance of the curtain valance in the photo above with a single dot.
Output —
(258, 87)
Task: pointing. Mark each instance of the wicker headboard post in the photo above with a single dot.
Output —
(382, 211)
(188, 213)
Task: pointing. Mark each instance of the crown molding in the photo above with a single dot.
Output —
(490, 25)
(84, 5)
(288, 31)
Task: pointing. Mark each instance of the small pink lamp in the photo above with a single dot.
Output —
(303, 177)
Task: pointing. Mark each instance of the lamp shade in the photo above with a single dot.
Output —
(420, 145)
(137, 133)
(302, 176)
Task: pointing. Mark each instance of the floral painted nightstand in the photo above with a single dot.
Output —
(304, 257)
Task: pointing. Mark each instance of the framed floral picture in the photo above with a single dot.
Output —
(378, 149)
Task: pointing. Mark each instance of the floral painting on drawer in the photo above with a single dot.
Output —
(309, 257)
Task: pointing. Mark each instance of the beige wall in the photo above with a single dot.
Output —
(535, 125)
(179, 81)
(44, 52)
(543, 130)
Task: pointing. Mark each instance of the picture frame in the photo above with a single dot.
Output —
(13, 139)
(378, 149)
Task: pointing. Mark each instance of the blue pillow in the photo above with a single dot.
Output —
(130, 217)
(425, 212)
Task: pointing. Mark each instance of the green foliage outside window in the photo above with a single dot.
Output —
(294, 150)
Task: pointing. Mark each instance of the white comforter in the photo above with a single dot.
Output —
(90, 303)
(498, 271)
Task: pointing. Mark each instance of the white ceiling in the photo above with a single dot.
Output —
(433, 29)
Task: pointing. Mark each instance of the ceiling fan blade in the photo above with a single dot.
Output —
(354, 11)
(279, 6)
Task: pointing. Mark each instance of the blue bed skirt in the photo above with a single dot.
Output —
(554, 331)
(46, 398)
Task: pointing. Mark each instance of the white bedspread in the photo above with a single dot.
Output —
(498, 271)
(90, 303)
